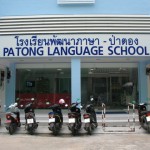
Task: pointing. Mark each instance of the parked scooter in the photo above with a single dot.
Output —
(56, 117)
(144, 115)
(12, 118)
(74, 116)
(30, 120)
(0, 118)
(90, 120)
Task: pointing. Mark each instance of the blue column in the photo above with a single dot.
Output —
(10, 86)
(75, 79)
(142, 80)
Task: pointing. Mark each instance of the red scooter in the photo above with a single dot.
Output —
(12, 118)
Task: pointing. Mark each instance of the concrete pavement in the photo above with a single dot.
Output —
(112, 138)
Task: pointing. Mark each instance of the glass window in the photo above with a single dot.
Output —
(106, 85)
(45, 85)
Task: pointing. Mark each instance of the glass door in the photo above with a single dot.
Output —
(115, 91)
(101, 90)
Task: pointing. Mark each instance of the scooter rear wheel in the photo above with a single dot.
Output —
(148, 127)
(89, 130)
(74, 132)
(31, 131)
(55, 130)
(11, 129)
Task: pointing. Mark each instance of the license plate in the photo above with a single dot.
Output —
(8, 121)
(87, 120)
(72, 120)
(29, 121)
(51, 120)
(148, 118)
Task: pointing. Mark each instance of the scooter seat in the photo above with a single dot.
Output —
(144, 112)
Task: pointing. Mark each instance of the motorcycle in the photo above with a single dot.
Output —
(30, 121)
(0, 118)
(144, 115)
(56, 117)
(12, 118)
(90, 120)
(74, 116)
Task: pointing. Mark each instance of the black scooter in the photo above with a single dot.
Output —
(55, 119)
(74, 116)
(30, 122)
(144, 115)
(90, 120)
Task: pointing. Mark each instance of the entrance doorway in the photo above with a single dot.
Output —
(108, 87)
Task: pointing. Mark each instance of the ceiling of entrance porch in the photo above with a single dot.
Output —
(84, 71)
(68, 60)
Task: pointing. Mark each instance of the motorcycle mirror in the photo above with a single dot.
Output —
(15, 104)
(66, 105)
(10, 106)
(78, 100)
(17, 99)
(141, 104)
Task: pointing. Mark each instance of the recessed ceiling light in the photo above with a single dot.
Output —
(59, 69)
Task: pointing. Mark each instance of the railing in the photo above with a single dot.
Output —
(132, 128)
(133, 117)
(103, 114)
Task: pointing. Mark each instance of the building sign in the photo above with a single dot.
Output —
(75, 45)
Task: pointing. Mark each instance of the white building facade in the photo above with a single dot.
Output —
(74, 50)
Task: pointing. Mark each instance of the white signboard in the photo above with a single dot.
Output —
(75, 45)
